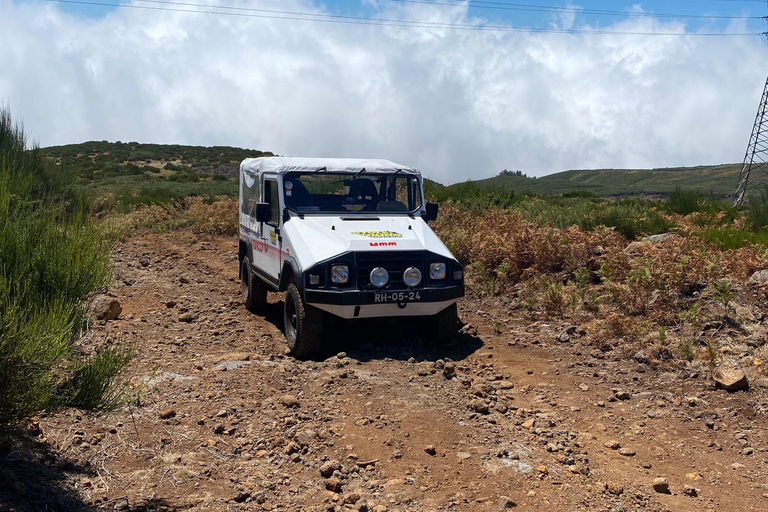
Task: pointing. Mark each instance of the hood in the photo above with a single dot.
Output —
(318, 238)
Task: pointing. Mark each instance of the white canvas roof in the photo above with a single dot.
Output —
(283, 164)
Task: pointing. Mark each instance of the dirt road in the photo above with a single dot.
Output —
(518, 414)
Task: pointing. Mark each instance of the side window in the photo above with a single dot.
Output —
(272, 196)
(249, 194)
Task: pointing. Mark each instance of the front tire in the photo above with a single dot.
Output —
(254, 289)
(303, 325)
(442, 327)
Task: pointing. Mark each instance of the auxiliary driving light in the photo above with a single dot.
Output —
(340, 274)
(437, 270)
(379, 277)
(412, 276)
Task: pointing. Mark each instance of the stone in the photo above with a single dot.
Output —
(480, 406)
(728, 375)
(106, 308)
(622, 395)
(641, 357)
(613, 445)
(187, 317)
(759, 278)
(504, 503)
(635, 248)
(627, 452)
(430, 449)
(168, 413)
(662, 237)
(615, 488)
(289, 401)
(327, 468)
(661, 485)
(690, 490)
(333, 484)
(241, 496)
(463, 455)
(528, 423)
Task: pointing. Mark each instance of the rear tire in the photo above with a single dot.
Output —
(443, 327)
(254, 289)
(303, 325)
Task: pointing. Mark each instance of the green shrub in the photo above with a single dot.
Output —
(757, 212)
(684, 202)
(728, 237)
(52, 258)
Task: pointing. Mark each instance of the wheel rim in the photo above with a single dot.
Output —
(291, 326)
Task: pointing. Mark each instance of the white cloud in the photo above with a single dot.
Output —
(458, 104)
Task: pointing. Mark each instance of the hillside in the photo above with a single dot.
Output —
(720, 180)
(105, 166)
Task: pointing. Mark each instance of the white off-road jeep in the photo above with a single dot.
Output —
(345, 237)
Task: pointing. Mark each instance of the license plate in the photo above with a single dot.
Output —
(400, 297)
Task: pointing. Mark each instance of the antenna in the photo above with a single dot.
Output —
(754, 170)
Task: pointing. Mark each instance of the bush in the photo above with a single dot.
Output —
(757, 212)
(52, 258)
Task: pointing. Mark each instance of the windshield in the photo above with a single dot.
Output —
(326, 192)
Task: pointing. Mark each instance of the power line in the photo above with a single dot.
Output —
(479, 4)
(361, 20)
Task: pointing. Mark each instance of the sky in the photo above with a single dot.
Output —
(460, 90)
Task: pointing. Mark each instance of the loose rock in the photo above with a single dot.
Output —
(106, 308)
(729, 376)
(289, 401)
(167, 413)
(661, 485)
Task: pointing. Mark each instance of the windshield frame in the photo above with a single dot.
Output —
(412, 185)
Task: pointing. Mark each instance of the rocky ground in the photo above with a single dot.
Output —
(516, 414)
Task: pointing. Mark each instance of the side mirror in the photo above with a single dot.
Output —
(263, 212)
(431, 211)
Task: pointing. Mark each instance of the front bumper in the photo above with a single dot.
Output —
(362, 298)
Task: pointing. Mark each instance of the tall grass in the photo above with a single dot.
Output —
(757, 212)
(52, 258)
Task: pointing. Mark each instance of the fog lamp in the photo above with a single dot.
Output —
(379, 277)
(412, 276)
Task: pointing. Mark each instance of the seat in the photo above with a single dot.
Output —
(363, 190)
(391, 206)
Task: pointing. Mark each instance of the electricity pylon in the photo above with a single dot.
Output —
(754, 170)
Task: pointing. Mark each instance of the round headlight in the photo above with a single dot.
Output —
(412, 276)
(379, 277)
(437, 270)
(339, 274)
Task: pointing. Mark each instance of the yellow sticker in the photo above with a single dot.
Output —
(378, 234)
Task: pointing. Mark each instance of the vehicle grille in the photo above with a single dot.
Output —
(395, 262)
